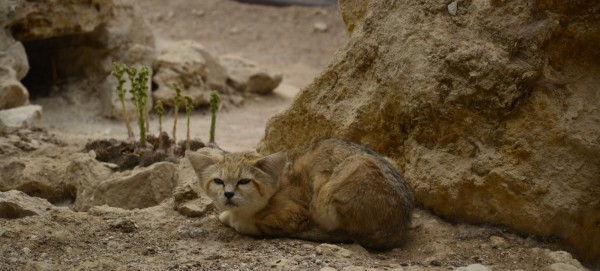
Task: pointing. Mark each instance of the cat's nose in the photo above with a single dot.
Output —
(229, 195)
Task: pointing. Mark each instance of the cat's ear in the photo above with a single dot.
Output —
(203, 158)
(272, 164)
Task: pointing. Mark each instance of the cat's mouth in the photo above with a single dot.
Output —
(230, 203)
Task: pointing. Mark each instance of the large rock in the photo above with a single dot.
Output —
(13, 62)
(94, 184)
(84, 174)
(492, 120)
(29, 116)
(248, 77)
(70, 40)
(12, 92)
(16, 204)
(40, 175)
(192, 67)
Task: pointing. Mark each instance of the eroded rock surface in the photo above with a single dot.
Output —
(16, 204)
(491, 118)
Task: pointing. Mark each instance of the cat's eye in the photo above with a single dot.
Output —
(218, 181)
(243, 181)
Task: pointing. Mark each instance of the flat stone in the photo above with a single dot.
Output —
(562, 267)
(16, 204)
(474, 267)
(453, 8)
(246, 76)
(332, 250)
(196, 207)
(29, 116)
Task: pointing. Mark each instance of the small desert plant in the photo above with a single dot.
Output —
(160, 110)
(214, 106)
(189, 106)
(177, 100)
(139, 86)
(118, 72)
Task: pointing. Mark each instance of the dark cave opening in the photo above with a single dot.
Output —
(58, 61)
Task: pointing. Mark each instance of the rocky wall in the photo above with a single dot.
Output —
(491, 110)
(51, 44)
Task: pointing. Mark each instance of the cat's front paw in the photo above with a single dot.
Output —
(225, 218)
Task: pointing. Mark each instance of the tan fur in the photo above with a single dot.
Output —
(333, 191)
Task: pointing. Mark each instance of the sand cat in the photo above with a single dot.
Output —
(334, 191)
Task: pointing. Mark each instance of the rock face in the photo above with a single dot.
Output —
(94, 185)
(491, 119)
(88, 36)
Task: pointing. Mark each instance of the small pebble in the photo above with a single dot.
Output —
(321, 27)
(453, 8)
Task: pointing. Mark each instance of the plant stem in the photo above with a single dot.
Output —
(189, 106)
(159, 111)
(214, 105)
(118, 72)
(139, 88)
(177, 100)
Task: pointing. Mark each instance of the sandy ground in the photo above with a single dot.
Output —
(282, 39)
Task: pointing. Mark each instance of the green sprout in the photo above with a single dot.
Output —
(189, 106)
(118, 72)
(177, 100)
(160, 110)
(214, 105)
(132, 74)
(139, 87)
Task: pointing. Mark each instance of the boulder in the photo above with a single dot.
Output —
(16, 204)
(84, 174)
(491, 120)
(192, 67)
(248, 77)
(37, 176)
(13, 62)
(141, 188)
(12, 93)
(94, 184)
(29, 116)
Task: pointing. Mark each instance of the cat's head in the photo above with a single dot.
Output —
(243, 181)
